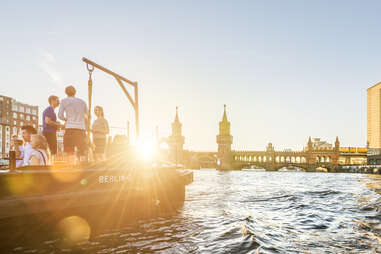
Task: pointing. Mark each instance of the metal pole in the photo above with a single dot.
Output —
(128, 131)
(90, 91)
(137, 110)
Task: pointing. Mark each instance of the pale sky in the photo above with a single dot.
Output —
(286, 69)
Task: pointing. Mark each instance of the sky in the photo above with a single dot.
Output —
(286, 70)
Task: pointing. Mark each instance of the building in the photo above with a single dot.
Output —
(5, 125)
(13, 115)
(374, 117)
(374, 124)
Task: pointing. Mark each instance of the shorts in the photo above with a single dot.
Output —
(75, 138)
(51, 138)
(100, 145)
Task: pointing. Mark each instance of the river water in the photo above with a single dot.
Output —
(254, 212)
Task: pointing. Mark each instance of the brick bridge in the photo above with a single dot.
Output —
(308, 159)
(311, 157)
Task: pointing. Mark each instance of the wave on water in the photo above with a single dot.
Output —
(234, 212)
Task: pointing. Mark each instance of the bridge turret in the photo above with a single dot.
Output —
(309, 144)
(336, 152)
(176, 141)
(224, 141)
(270, 147)
(309, 155)
(337, 143)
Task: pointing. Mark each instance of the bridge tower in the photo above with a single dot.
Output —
(270, 154)
(176, 141)
(310, 157)
(336, 149)
(224, 141)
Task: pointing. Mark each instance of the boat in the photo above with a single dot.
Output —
(106, 194)
(290, 168)
(103, 195)
(253, 168)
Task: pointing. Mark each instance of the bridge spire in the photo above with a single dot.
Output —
(224, 117)
(309, 144)
(337, 142)
(176, 140)
(177, 115)
(224, 141)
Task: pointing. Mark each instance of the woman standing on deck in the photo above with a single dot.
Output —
(38, 152)
(99, 129)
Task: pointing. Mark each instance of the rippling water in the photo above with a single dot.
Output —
(255, 212)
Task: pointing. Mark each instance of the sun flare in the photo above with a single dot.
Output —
(146, 147)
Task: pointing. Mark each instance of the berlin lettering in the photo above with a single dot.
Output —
(112, 179)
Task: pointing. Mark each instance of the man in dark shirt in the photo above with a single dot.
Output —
(50, 124)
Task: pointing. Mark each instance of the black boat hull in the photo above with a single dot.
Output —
(42, 199)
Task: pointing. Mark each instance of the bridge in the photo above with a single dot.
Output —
(315, 154)
(270, 159)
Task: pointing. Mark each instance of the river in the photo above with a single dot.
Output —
(253, 212)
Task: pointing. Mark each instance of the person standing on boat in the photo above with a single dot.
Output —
(100, 130)
(50, 125)
(26, 132)
(38, 156)
(74, 112)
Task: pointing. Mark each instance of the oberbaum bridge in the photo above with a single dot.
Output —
(333, 158)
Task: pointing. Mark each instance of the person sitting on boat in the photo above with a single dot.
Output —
(26, 132)
(50, 125)
(99, 129)
(38, 153)
(74, 112)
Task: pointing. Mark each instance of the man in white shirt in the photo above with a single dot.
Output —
(74, 112)
(27, 131)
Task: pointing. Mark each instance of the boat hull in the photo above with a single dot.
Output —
(103, 198)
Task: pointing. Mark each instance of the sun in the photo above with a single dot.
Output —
(146, 148)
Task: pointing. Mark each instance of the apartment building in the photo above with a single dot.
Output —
(13, 115)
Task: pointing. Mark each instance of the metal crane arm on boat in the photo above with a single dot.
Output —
(119, 79)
